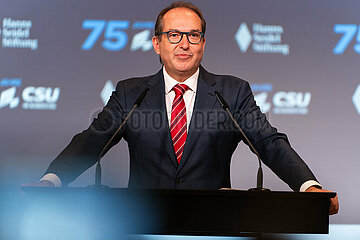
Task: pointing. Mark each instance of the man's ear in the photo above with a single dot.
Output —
(204, 44)
(155, 42)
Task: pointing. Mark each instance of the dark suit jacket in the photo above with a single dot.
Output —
(211, 139)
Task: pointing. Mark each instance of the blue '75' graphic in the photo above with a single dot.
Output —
(115, 37)
(348, 31)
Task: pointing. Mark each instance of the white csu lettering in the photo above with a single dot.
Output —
(41, 94)
(292, 99)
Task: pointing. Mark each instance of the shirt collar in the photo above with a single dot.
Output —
(170, 82)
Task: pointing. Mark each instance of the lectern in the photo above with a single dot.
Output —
(113, 211)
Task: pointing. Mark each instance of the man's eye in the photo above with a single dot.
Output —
(195, 35)
(174, 35)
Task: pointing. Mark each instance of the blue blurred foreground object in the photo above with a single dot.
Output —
(112, 213)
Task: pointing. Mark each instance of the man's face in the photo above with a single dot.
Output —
(181, 60)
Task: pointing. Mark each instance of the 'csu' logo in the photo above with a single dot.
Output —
(292, 99)
(349, 31)
(115, 35)
(40, 98)
(291, 102)
(283, 102)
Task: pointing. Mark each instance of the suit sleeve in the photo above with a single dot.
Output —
(274, 147)
(85, 147)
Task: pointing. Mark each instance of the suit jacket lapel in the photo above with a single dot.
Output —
(204, 102)
(156, 102)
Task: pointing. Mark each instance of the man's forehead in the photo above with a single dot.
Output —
(181, 11)
(181, 19)
(184, 29)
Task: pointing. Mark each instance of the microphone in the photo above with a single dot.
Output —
(259, 184)
(98, 166)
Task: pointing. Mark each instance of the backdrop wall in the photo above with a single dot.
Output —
(61, 59)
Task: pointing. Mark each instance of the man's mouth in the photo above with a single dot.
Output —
(183, 55)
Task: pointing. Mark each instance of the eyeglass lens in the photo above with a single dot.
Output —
(176, 36)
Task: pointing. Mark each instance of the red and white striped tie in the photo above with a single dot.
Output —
(178, 127)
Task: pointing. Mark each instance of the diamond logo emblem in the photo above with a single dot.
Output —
(243, 37)
(356, 99)
(107, 91)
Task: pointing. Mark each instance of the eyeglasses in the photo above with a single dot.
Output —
(174, 36)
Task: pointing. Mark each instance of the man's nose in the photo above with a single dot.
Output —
(184, 43)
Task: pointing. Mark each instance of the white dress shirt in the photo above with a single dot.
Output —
(189, 98)
(189, 95)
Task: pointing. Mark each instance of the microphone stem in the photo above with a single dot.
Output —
(98, 174)
(260, 173)
(98, 166)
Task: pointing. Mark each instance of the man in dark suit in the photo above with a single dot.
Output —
(182, 138)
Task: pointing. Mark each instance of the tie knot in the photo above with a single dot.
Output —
(180, 89)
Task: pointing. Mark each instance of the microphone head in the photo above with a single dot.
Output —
(141, 97)
(222, 101)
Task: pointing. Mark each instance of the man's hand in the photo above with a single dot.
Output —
(334, 203)
(43, 183)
